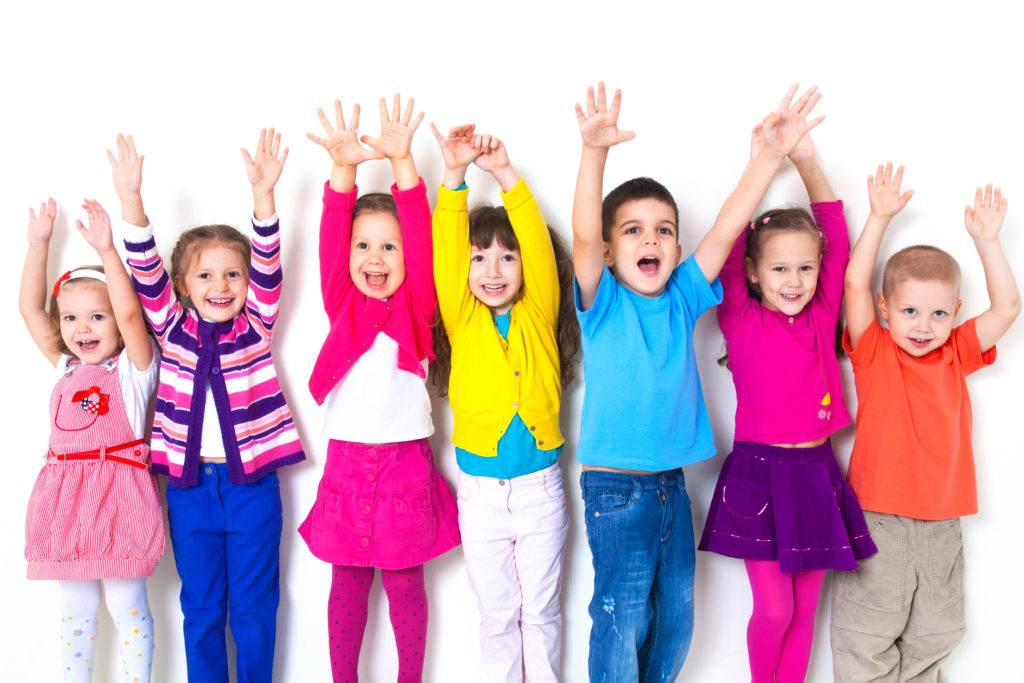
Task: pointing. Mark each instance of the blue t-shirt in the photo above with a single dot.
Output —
(517, 449)
(643, 408)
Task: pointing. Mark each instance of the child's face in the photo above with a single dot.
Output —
(787, 272)
(920, 314)
(644, 246)
(496, 276)
(87, 323)
(216, 281)
(376, 259)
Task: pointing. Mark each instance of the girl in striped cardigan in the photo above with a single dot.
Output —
(222, 426)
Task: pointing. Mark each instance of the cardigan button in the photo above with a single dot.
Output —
(533, 429)
(516, 373)
(209, 470)
(365, 509)
(215, 370)
(540, 443)
(364, 541)
(515, 405)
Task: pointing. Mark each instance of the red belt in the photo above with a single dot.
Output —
(103, 453)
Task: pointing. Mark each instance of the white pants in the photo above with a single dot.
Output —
(513, 540)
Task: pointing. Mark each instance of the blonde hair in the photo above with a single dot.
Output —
(56, 339)
(920, 262)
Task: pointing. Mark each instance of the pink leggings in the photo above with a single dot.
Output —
(346, 619)
(782, 626)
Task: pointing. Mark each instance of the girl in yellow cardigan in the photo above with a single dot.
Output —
(504, 292)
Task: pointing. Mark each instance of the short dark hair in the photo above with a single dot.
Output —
(637, 188)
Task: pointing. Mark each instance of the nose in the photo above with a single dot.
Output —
(651, 237)
(492, 268)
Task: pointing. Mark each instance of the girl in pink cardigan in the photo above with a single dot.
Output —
(381, 502)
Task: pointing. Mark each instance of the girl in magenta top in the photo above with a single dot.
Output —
(381, 502)
(781, 502)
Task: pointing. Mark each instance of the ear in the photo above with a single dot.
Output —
(882, 309)
(748, 264)
(179, 285)
(679, 254)
(957, 309)
(609, 260)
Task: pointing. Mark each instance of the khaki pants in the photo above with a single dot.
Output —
(900, 614)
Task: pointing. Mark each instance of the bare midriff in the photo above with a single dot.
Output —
(802, 444)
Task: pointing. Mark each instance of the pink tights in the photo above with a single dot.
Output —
(346, 619)
(782, 626)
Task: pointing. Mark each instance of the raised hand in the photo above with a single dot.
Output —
(396, 129)
(599, 127)
(984, 220)
(457, 148)
(40, 227)
(126, 167)
(342, 141)
(492, 154)
(884, 192)
(98, 234)
(264, 169)
(784, 127)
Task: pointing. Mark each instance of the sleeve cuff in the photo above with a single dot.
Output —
(266, 222)
(517, 195)
(455, 200)
(136, 234)
(411, 195)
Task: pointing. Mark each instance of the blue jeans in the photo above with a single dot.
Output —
(226, 540)
(640, 533)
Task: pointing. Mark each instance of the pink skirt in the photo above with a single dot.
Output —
(94, 519)
(381, 505)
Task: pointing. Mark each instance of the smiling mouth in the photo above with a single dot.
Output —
(649, 265)
(220, 302)
(494, 290)
(919, 343)
(375, 280)
(88, 345)
(790, 297)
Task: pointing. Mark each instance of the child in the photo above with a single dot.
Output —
(381, 503)
(512, 343)
(94, 515)
(902, 612)
(637, 311)
(222, 427)
(781, 503)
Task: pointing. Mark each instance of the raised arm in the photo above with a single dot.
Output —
(395, 141)
(127, 312)
(126, 171)
(540, 272)
(773, 139)
(264, 170)
(342, 144)
(983, 222)
(33, 293)
(886, 202)
(813, 177)
(599, 129)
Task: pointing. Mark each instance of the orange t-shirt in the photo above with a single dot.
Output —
(912, 455)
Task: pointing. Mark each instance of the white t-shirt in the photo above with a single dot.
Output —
(376, 402)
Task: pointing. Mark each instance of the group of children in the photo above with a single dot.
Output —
(484, 305)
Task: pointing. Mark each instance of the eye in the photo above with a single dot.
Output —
(389, 247)
(910, 311)
(476, 258)
(939, 314)
(807, 269)
(362, 245)
(68, 318)
(203, 276)
(779, 269)
(234, 274)
(631, 230)
(98, 317)
(508, 258)
(666, 230)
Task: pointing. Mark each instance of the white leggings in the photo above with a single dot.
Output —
(129, 610)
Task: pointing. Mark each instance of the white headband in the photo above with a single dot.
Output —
(75, 274)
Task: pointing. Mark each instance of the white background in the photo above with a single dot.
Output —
(931, 85)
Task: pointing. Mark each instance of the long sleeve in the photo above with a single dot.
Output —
(835, 256)
(152, 282)
(414, 220)
(265, 276)
(540, 271)
(335, 245)
(451, 257)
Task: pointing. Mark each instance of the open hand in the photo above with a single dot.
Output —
(342, 141)
(984, 220)
(264, 169)
(396, 129)
(98, 234)
(884, 191)
(457, 149)
(599, 127)
(784, 127)
(40, 227)
(126, 167)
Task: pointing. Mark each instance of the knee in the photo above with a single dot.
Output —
(775, 614)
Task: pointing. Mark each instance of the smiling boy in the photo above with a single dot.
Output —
(902, 612)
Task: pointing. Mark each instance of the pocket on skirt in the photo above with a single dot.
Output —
(746, 498)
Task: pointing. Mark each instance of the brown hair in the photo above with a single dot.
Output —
(56, 339)
(489, 223)
(192, 242)
(920, 262)
(634, 189)
(760, 229)
(375, 202)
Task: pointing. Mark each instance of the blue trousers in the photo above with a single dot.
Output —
(226, 540)
(640, 533)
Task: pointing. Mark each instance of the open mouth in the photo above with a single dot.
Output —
(88, 346)
(790, 298)
(919, 343)
(649, 265)
(494, 290)
(375, 280)
(220, 302)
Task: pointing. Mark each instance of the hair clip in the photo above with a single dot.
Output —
(766, 219)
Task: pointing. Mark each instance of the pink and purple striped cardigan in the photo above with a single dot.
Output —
(234, 357)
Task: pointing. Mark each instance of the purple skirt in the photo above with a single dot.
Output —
(787, 504)
(381, 505)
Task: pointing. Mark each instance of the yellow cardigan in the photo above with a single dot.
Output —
(493, 379)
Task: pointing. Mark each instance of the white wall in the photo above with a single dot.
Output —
(926, 84)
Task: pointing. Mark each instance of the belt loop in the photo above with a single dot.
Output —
(103, 453)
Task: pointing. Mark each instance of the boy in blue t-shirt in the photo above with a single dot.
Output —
(643, 411)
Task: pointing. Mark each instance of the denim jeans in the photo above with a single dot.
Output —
(226, 538)
(640, 533)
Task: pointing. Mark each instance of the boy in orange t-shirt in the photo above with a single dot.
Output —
(912, 466)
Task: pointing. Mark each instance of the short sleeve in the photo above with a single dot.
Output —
(137, 387)
(593, 318)
(866, 348)
(698, 294)
(968, 348)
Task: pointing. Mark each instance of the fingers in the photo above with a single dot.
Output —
(415, 122)
(339, 116)
(787, 98)
(317, 140)
(328, 128)
(353, 120)
(437, 134)
(813, 123)
(616, 103)
(383, 111)
(407, 114)
(591, 105)
(580, 116)
(248, 159)
(602, 100)
(898, 178)
(51, 208)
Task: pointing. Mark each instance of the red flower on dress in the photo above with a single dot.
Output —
(92, 401)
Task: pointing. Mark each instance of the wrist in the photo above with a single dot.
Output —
(506, 177)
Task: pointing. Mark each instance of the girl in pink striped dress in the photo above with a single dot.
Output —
(94, 520)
